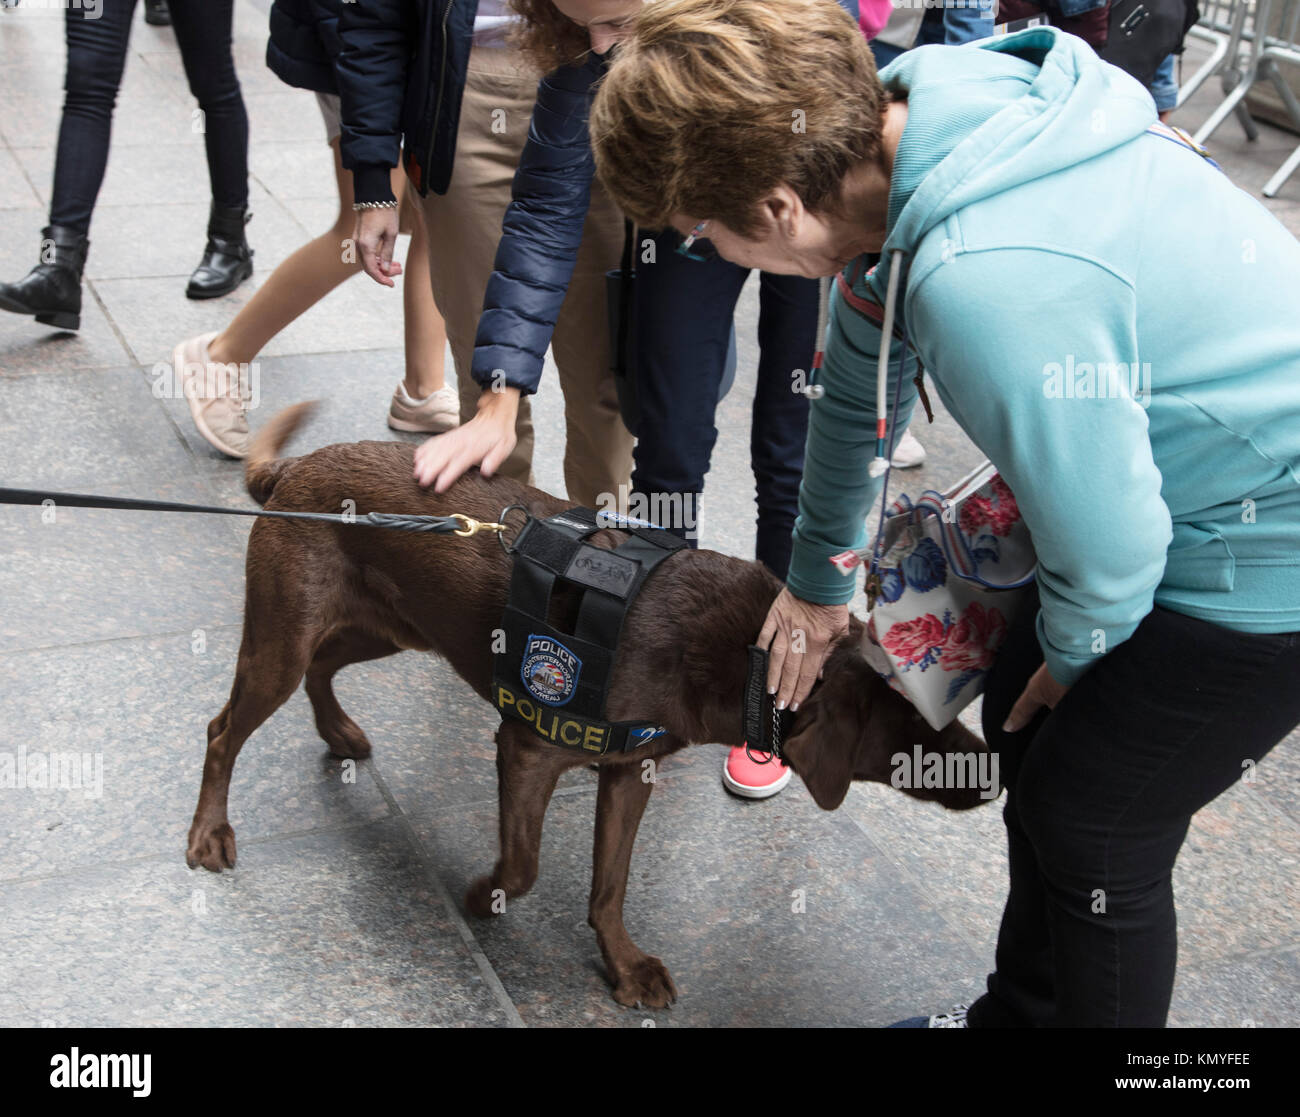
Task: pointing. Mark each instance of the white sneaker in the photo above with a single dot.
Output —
(217, 395)
(432, 415)
(908, 453)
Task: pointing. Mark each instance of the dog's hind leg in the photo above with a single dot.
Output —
(639, 978)
(263, 681)
(526, 775)
(342, 734)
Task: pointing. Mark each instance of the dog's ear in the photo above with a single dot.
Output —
(823, 749)
(822, 753)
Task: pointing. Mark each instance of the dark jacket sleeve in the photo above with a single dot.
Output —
(541, 232)
(376, 38)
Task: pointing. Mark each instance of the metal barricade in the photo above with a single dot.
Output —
(1270, 31)
(1220, 25)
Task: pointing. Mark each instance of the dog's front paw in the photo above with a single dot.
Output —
(484, 899)
(211, 847)
(346, 739)
(645, 984)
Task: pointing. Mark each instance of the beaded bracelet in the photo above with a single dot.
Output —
(359, 206)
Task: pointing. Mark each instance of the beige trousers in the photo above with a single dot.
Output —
(464, 226)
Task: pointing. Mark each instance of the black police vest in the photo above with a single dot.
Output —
(557, 682)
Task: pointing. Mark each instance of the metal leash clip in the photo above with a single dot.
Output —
(501, 537)
(470, 526)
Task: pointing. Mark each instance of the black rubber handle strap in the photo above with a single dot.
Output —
(438, 524)
(764, 728)
(755, 724)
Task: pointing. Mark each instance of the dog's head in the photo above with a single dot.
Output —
(854, 726)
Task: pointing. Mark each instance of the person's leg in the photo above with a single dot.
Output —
(96, 59)
(1020, 990)
(787, 336)
(465, 223)
(215, 369)
(203, 31)
(305, 278)
(597, 446)
(884, 53)
(1164, 87)
(422, 401)
(967, 21)
(51, 291)
(1106, 791)
(684, 310)
(425, 331)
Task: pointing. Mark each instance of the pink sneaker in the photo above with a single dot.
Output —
(741, 776)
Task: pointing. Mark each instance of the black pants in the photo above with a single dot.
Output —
(1100, 793)
(96, 58)
(684, 312)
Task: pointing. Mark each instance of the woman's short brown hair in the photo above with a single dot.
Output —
(548, 38)
(710, 104)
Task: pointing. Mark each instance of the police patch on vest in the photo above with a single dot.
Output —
(549, 671)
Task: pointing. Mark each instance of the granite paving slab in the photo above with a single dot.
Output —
(129, 717)
(339, 929)
(713, 886)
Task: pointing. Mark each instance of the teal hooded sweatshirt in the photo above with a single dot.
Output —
(1112, 322)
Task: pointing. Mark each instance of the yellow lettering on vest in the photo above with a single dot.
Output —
(594, 738)
(564, 732)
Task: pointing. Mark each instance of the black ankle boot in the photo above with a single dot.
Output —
(227, 261)
(156, 13)
(51, 290)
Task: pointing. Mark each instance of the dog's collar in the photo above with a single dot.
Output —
(763, 726)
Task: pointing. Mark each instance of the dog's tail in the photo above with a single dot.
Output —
(264, 464)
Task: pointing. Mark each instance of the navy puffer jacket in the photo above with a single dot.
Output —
(304, 43)
(401, 75)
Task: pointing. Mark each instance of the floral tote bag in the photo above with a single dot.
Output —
(951, 577)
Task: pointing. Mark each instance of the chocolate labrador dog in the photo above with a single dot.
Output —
(322, 596)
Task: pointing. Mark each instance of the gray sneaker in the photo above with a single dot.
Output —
(217, 395)
(434, 414)
(956, 1018)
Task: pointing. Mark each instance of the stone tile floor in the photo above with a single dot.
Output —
(118, 635)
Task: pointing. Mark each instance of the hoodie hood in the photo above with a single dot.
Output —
(1042, 232)
(988, 116)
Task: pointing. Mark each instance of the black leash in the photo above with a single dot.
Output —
(455, 524)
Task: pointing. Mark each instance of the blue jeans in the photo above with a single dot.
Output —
(96, 58)
(1164, 86)
(956, 25)
(684, 310)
